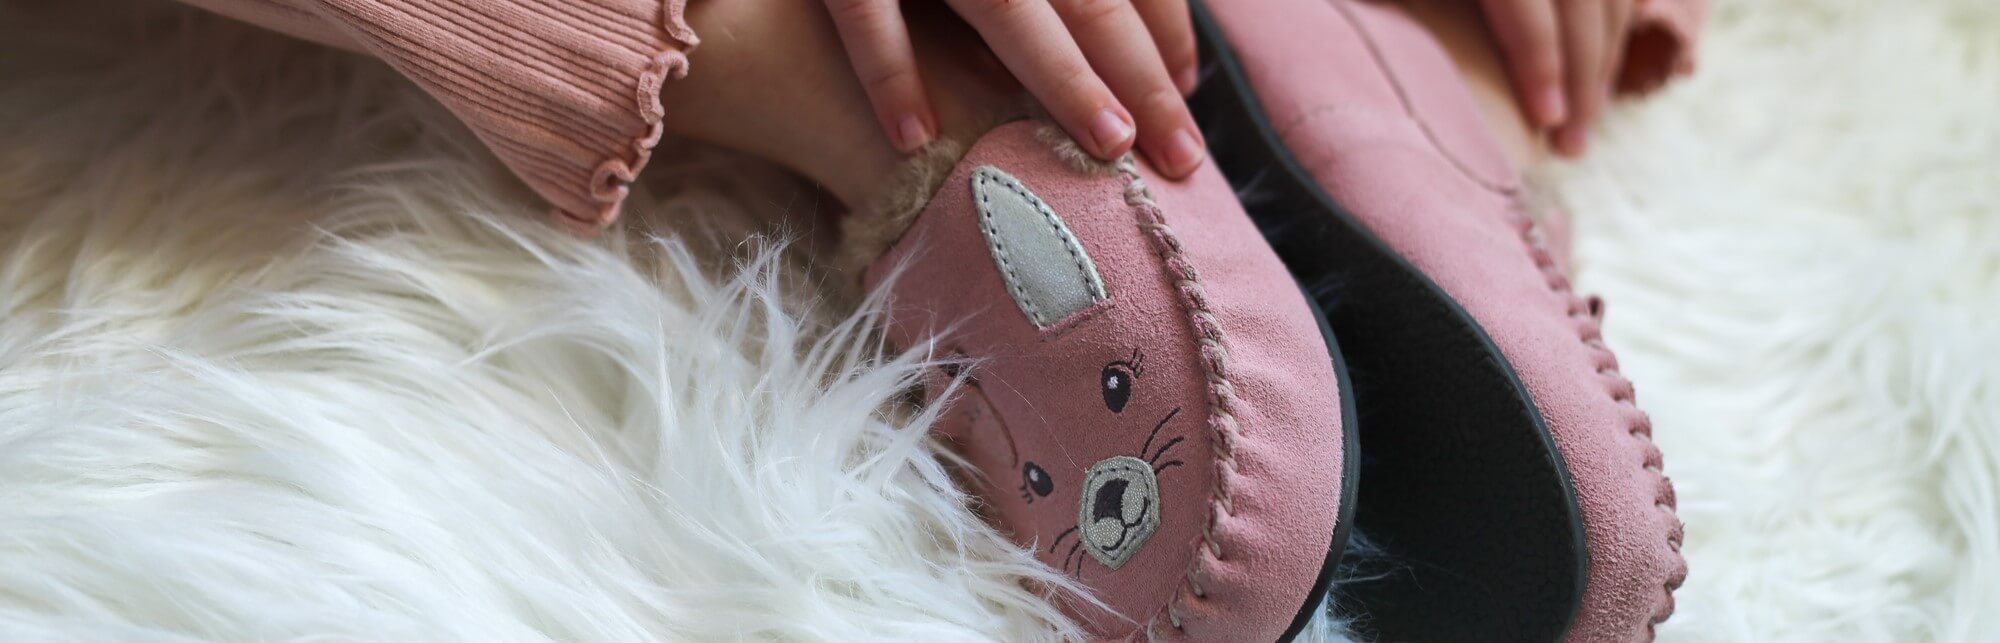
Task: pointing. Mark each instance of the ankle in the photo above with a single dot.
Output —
(769, 80)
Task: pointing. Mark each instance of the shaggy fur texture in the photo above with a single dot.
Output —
(284, 355)
(870, 231)
(274, 366)
(1800, 250)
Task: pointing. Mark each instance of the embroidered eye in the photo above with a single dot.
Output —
(1037, 480)
(1116, 380)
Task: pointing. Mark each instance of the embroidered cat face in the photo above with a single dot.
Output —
(1102, 502)
(1082, 431)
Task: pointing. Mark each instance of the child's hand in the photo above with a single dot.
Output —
(1562, 55)
(1085, 60)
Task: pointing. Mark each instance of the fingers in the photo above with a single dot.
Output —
(878, 46)
(1563, 56)
(1093, 64)
(1032, 41)
(1173, 32)
(1109, 31)
(1527, 33)
(1584, 54)
(1618, 17)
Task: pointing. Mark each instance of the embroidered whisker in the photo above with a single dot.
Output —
(1059, 538)
(1156, 430)
(1163, 450)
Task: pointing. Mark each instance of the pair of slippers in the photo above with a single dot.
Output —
(1147, 397)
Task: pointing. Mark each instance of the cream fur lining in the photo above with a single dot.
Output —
(870, 231)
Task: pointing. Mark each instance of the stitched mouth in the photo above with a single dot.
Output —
(1110, 506)
(1119, 509)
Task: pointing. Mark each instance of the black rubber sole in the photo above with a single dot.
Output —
(1469, 506)
(1350, 475)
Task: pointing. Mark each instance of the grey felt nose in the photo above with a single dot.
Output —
(1119, 510)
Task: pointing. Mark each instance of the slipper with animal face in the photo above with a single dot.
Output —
(1146, 399)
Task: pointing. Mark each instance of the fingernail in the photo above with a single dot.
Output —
(1570, 140)
(1110, 130)
(1550, 107)
(1184, 153)
(913, 132)
(1185, 80)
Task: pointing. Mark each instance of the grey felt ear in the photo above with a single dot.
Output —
(1047, 272)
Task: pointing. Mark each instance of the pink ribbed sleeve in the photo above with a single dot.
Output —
(565, 92)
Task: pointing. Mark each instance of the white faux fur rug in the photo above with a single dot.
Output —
(1801, 253)
(276, 363)
(283, 356)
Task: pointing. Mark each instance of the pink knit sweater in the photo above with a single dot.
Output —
(566, 92)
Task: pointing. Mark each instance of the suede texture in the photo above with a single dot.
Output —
(1228, 390)
(1385, 125)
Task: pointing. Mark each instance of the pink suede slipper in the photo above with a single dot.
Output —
(1149, 402)
(1512, 485)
